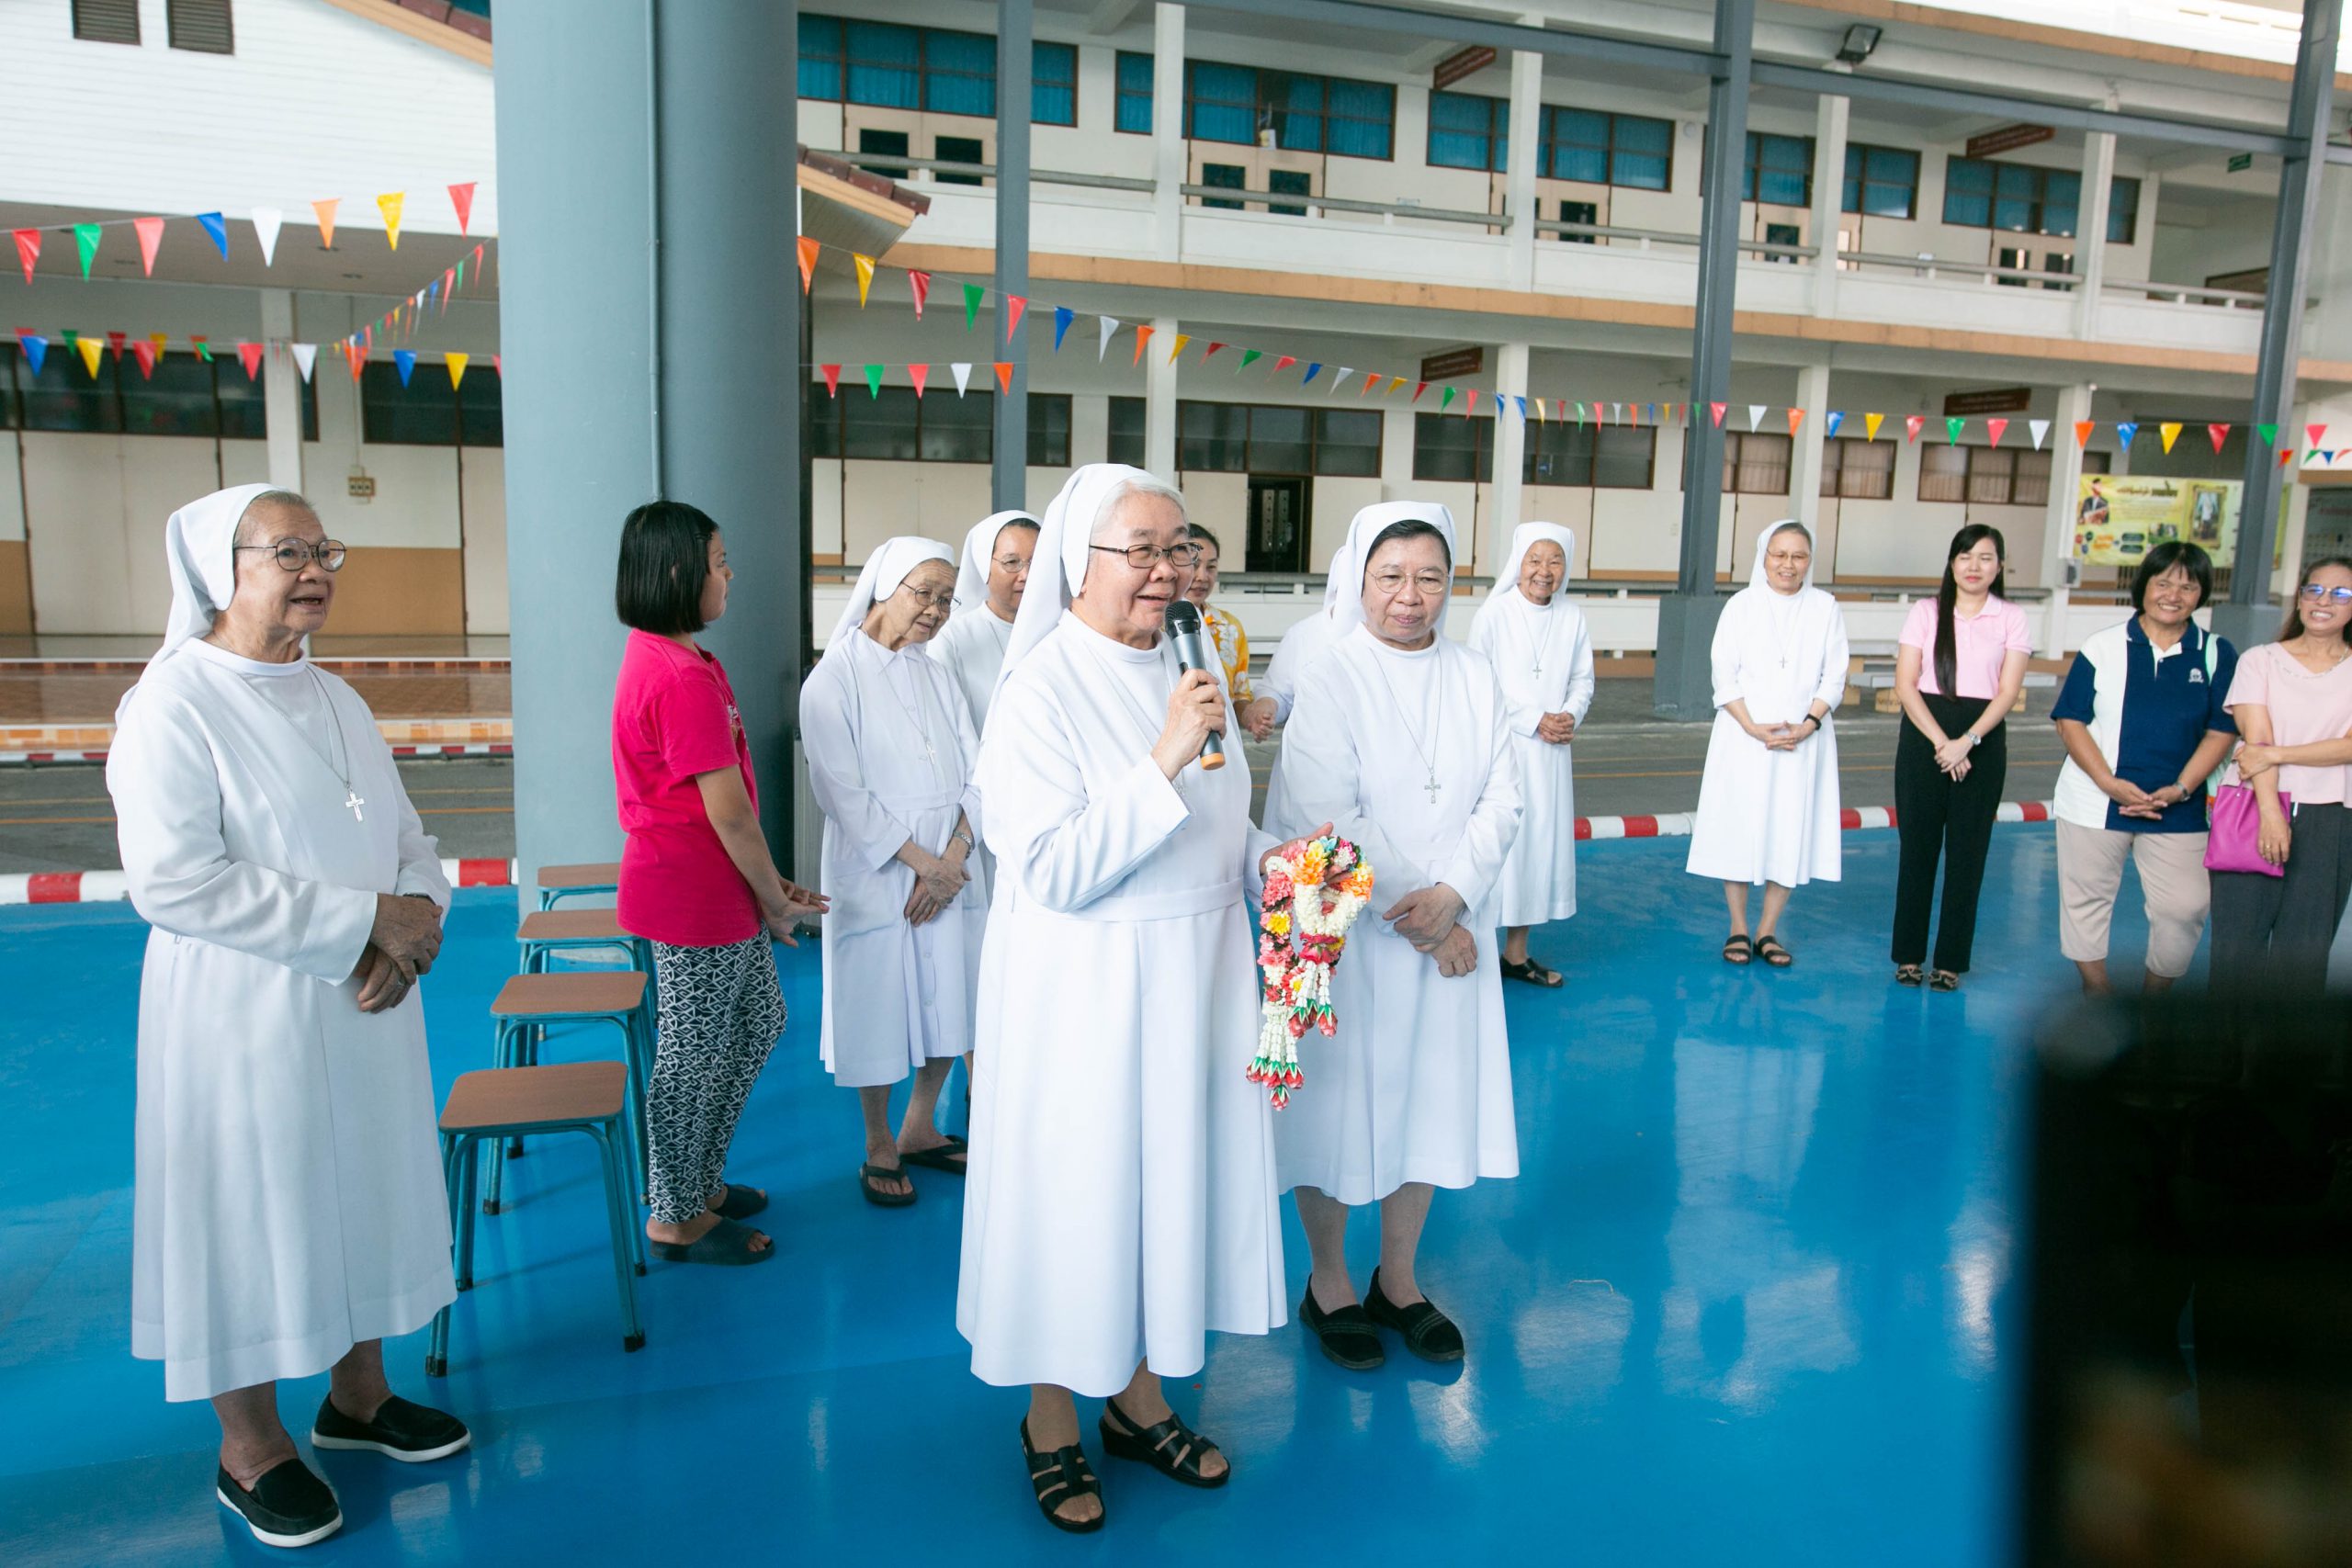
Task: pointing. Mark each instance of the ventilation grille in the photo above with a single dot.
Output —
(203, 25)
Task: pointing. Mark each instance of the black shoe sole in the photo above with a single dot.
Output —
(406, 1456)
(271, 1538)
(1307, 1313)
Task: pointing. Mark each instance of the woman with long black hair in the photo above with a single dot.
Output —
(1959, 667)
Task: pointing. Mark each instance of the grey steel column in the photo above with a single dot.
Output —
(1686, 618)
(662, 117)
(1009, 481)
(2247, 617)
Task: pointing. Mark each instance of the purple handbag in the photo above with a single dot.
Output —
(2233, 842)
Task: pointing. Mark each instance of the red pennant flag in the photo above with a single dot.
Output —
(1719, 410)
(498, 365)
(28, 248)
(118, 341)
(1472, 406)
(833, 380)
(250, 353)
(1911, 425)
(1014, 304)
(1211, 353)
(918, 374)
(1419, 388)
(2316, 432)
(2285, 454)
(1994, 427)
(358, 358)
(1143, 336)
(919, 284)
(1004, 376)
(1284, 363)
(808, 249)
(462, 198)
(2219, 433)
(144, 352)
(150, 236)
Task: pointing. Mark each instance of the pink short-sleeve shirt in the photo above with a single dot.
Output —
(2305, 708)
(1984, 642)
(673, 718)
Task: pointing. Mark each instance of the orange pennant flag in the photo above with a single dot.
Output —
(1004, 376)
(324, 212)
(1143, 336)
(1178, 346)
(808, 249)
(389, 204)
(864, 276)
(2082, 432)
(1870, 422)
(1796, 417)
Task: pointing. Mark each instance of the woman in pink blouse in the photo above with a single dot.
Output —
(1958, 670)
(2292, 701)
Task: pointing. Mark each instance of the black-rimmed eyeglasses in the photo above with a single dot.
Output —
(293, 555)
(1143, 557)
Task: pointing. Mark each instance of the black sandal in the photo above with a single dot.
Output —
(1738, 950)
(741, 1202)
(948, 1157)
(727, 1242)
(1909, 975)
(1153, 1445)
(1774, 953)
(870, 1178)
(1065, 1470)
(1532, 973)
(1943, 980)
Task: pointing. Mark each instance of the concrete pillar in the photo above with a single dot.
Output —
(1171, 158)
(1828, 199)
(1510, 457)
(1009, 473)
(661, 115)
(1160, 401)
(1804, 462)
(281, 385)
(1526, 150)
(2058, 517)
(2090, 233)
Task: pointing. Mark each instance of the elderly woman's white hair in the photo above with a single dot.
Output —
(1074, 521)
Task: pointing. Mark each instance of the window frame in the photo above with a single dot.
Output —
(837, 56)
(1735, 445)
(1123, 95)
(16, 391)
(2125, 215)
(1316, 439)
(1752, 171)
(1496, 136)
(383, 374)
(832, 411)
(1858, 182)
(1264, 103)
(193, 34)
(1549, 141)
(1835, 469)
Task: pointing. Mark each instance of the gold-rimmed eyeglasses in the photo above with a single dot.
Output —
(1143, 557)
(1393, 583)
(943, 599)
(293, 555)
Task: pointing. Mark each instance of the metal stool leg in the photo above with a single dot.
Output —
(453, 1147)
(470, 1157)
(618, 1216)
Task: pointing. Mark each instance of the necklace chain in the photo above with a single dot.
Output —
(1437, 729)
(352, 799)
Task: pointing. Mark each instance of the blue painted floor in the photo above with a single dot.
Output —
(1749, 1302)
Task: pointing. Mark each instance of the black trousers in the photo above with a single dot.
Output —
(2274, 932)
(1940, 821)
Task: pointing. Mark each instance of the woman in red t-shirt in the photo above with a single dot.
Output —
(697, 881)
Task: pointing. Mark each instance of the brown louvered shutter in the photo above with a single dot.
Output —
(203, 25)
(106, 21)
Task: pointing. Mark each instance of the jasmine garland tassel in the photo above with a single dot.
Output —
(1299, 945)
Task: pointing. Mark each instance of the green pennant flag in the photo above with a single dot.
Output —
(461, 274)
(1442, 401)
(72, 338)
(1579, 415)
(874, 379)
(1247, 356)
(2270, 433)
(203, 350)
(972, 292)
(85, 235)
(1952, 429)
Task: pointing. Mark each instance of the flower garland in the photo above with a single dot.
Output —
(1298, 949)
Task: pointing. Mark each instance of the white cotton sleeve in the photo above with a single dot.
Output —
(1834, 659)
(1582, 683)
(968, 742)
(169, 810)
(1322, 774)
(836, 777)
(1063, 845)
(1724, 655)
(1476, 863)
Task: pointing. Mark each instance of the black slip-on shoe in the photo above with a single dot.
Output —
(288, 1506)
(410, 1433)
(1429, 1332)
(1346, 1335)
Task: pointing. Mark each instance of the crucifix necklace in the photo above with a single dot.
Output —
(1551, 625)
(352, 799)
(1436, 729)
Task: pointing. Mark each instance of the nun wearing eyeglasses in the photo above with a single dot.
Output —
(890, 750)
(1400, 738)
(989, 585)
(288, 1213)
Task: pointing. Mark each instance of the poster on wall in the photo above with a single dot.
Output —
(2120, 518)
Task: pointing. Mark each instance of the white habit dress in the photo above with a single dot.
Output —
(890, 752)
(1543, 658)
(289, 1201)
(1772, 816)
(971, 645)
(1120, 1200)
(1415, 1085)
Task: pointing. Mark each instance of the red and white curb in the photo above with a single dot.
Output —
(107, 886)
(1677, 824)
(473, 748)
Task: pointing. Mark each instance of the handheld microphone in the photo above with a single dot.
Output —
(1184, 630)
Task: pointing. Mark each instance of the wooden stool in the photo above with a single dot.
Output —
(545, 933)
(527, 1005)
(575, 1097)
(558, 881)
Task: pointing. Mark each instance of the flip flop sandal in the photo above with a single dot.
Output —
(870, 1176)
(1532, 973)
(1169, 1447)
(726, 1242)
(741, 1202)
(1909, 975)
(1774, 953)
(948, 1157)
(1943, 980)
(1738, 950)
(1057, 1478)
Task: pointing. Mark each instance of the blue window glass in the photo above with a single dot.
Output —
(1298, 122)
(1968, 193)
(2062, 201)
(885, 64)
(1881, 182)
(1642, 151)
(2123, 211)
(1053, 84)
(1221, 102)
(1134, 109)
(1576, 145)
(1361, 120)
(2016, 191)
(1224, 176)
(958, 73)
(820, 57)
(1778, 170)
(1462, 131)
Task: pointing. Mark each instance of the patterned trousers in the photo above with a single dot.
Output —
(721, 1010)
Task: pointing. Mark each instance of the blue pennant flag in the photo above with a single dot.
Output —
(2124, 433)
(1836, 418)
(36, 350)
(405, 361)
(1311, 371)
(1062, 316)
(218, 229)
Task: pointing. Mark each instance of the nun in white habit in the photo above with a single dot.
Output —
(1306, 641)
(989, 585)
(1543, 657)
(1401, 739)
(289, 1212)
(890, 750)
(1768, 801)
(1121, 1194)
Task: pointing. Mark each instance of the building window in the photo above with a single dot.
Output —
(1133, 113)
(1606, 149)
(1307, 114)
(202, 26)
(1126, 442)
(1881, 182)
(899, 427)
(1858, 470)
(1050, 430)
(1611, 457)
(428, 411)
(106, 21)
(1756, 464)
(888, 144)
(959, 73)
(937, 70)
(1224, 176)
(1580, 212)
(1265, 438)
(187, 395)
(1943, 473)
(1053, 84)
(1448, 447)
(1289, 182)
(2123, 211)
(2023, 199)
(1779, 170)
(1468, 131)
(957, 150)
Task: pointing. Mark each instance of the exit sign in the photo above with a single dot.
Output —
(2241, 161)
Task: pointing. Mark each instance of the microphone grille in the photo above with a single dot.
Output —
(1182, 617)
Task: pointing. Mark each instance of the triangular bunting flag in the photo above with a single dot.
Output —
(2125, 432)
(36, 349)
(873, 381)
(1210, 353)
(865, 275)
(1110, 326)
(1340, 379)
(159, 342)
(1522, 402)
(462, 198)
(151, 237)
(1063, 316)
(217, 227)
(2286, 455)
(1539, 410)
(1143, 336)
(91, 348)
(1014, 304)
(918, 375)
(28, 248)
(1313, 366)
(1176, 348)
(268, 220)
(1718, 408)
(961, 370)
(1247, 356)
(2083, 429)
(2168, 433)
(448, 286)
(2037, 429)
(144, 352)
(203, 348)
(808, 249)
(1472, 406)
(324, 212)
(116, 341)
(249, 356)
(972, 294)
(1371, 380)
(1912, 424)
(1870, 422)
(404, 360)
(389, 204)
(457, 362)
(1796, 417)
(305, 356)
(1445, 398)
(85, 240)
(1419, 388)
(1755, 413)
(1393, 382)
(2316, 432)
(2270, 433)
(1829, 426)
(918, 285)
(1952, 427)
(1996, 429)
(2219, 433)
(498, 365)
(833, 374)
(356, 358)
(1004, 376)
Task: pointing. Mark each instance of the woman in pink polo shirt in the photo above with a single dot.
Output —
(697, 881)
(1959, 666)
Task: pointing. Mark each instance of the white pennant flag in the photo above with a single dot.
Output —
(266, 222)
(1755, 415)
(1340, 379)
(1110, 326)
(304, 355)
(2040, 427)
(963, 369)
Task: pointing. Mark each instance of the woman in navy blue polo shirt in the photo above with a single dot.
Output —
(2142, 720)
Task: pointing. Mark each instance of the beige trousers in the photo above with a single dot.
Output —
(2172, 887)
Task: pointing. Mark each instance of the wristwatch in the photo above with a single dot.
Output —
(965, 834)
